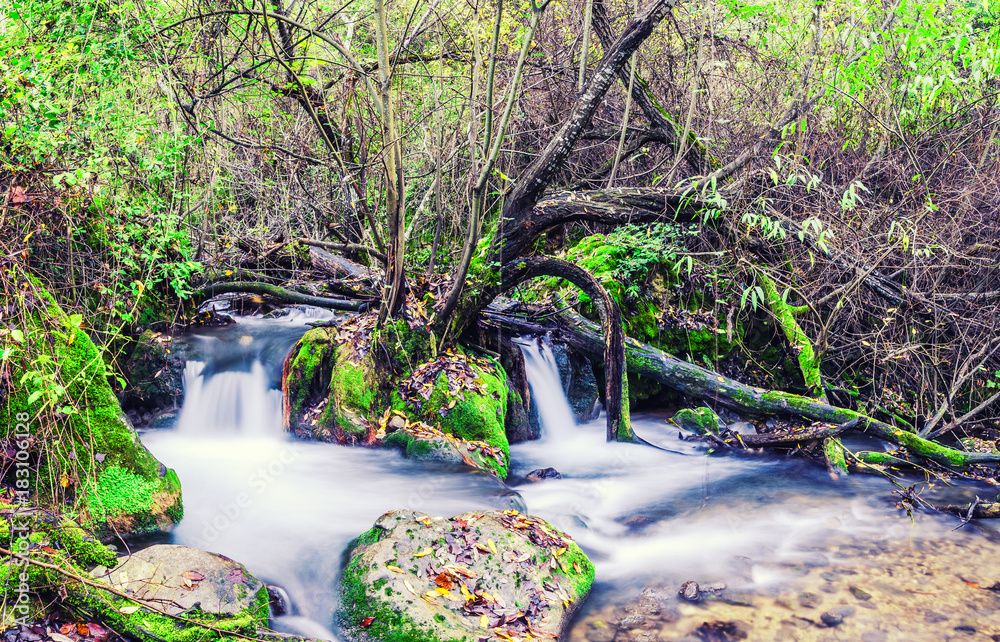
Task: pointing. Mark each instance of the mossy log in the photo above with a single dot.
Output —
(980, 510)
(803, 347)
(283, 294)
(707, 385)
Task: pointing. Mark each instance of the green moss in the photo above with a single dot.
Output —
(572, 559)
(783, 313)
(65, 370)
(145, 624)
(119, 491)
(702, 421)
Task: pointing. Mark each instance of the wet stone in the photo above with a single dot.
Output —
(810, 600)
(634, 621)
(834, 617)
(829, 576)
(690, 591)
(932, 617)
(829, 588)
(543, 473)
(861, 594)
(738, 598)
(602, 633)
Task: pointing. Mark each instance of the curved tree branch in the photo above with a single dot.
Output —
(616, 384)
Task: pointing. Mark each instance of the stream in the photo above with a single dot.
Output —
(800, 556)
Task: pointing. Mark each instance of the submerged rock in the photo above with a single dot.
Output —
(539, 474)
(480, 574)
(164, 580)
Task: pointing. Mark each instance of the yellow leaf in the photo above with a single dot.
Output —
(484, 622)
(423, 553)
(64, 480)
(409, 587)
(561, 551)
(493, 547)
(394, 569)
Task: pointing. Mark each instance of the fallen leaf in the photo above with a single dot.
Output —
(425, 552)
(194, 576)
(128, 610)
(65, 629)
(365, 623)
(493, 547)
(59, 637)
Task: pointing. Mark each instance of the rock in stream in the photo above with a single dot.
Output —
(482, 574)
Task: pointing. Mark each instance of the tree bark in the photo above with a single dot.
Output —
(520, 204)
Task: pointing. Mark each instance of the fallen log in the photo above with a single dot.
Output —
(700, 383)
(282, 294)
(786, 439)
(336, 266)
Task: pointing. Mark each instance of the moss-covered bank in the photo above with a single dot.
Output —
(83, 452)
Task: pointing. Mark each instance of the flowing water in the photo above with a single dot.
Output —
(791, 546)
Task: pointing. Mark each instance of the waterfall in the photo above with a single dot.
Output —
(554, 412)
(230, 402)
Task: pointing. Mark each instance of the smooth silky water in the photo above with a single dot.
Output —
(772, 529)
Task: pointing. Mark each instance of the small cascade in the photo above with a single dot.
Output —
(554, 412)
(232, 402)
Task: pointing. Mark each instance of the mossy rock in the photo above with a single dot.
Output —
(97, 463)
(672, 310)
(414, 578)
(461, 395)
(425, 443)
(330, 394)
(208, 595)
(702, 421)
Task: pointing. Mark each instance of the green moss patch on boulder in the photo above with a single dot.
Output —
(97, 463)
(462, 395)
(42, 536)
(483, 574)
(330, 385)
(420, 441)
(702, 421)
(201, 588)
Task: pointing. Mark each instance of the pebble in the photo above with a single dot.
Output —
(834, 617)
(861, 594)
(690, 591)
(810, 600)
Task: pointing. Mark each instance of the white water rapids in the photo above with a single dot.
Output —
(287, 509)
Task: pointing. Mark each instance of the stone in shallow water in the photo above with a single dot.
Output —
(422, 579)
(690, 591)
(835, 617)
(810, 600)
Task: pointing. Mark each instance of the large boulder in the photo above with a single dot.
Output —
(64, 414)
(194, 586)
(481, 574)
(335, 390)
